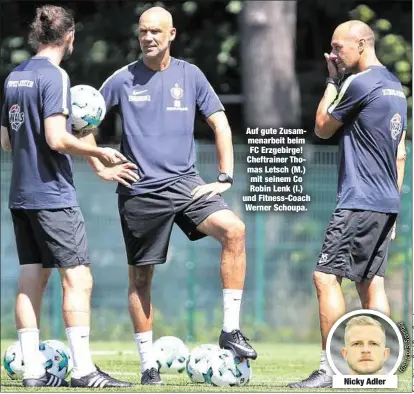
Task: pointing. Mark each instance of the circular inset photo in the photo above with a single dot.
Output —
(364, 342)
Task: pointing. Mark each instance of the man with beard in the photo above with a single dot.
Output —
(48, 224)
(157, 98)
(364, 350)
(371, 110)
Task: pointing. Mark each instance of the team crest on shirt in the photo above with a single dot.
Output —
(396, 125)
(177, 94)
(16, 117)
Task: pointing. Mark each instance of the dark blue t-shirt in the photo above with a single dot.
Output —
(157, 110)
(41, 177)
(373, 108)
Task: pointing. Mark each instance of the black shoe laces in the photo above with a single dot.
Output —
(238, 335)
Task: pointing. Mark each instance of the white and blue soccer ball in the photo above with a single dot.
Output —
(171, 354)
(55, 356)
(88, 109)
(13, 361)
(227, 370)
(58, 358)
(199, 363)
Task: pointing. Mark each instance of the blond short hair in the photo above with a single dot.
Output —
(363, 320)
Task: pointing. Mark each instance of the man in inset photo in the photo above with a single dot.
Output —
(364, 350)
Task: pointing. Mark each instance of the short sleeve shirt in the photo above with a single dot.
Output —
(157, 110)
(41, 177)
(373, 108)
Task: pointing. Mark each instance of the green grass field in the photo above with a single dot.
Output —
(277, 365)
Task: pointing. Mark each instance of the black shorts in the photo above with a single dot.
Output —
(147, 219)
(356, 244)
(51, 237)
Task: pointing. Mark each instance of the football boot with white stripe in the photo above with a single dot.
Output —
(47, 380)
(98, 379)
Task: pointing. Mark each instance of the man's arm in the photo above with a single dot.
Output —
(401, 158)
(60, 140)
(219, 124)
(325, 124)
(5, 140)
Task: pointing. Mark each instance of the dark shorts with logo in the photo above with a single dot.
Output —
(147, 219)
(356, 244)
(51, 237)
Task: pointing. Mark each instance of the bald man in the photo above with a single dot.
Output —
(371, 109)
(157, 98)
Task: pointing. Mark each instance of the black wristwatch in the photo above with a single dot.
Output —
(333, 81)
(224, 178)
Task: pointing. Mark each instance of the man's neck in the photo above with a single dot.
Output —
(158, 65)
(368, 61)
(53, 54)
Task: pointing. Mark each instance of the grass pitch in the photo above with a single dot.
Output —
(276, 366)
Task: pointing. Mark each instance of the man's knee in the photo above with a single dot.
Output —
(140, 277)
(235, 231)
(33, 277)
(321, 279)
(78, 278)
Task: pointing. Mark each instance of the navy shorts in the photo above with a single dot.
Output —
(51, 237)
(356, 244)
(147, 219)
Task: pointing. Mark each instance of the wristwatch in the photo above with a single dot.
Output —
(333, 81)
(224, 178)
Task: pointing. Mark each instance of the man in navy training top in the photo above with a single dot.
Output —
(372, 108)
(48, 224)
(157, 99)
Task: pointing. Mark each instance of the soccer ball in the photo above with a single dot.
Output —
(55, 356)
(199, 363)
(88, 109)
(228, 370)
(171, 354)
(13, 361)
(59, 357)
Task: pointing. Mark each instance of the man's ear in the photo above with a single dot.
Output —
(173, 33)
(344, 352)
(386, 353)
(361, 45)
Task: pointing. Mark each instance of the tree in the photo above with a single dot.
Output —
(271, 94)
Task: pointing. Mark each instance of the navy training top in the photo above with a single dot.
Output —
(373, 108)
(157, 110)
(41, 177)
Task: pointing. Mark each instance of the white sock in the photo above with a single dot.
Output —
(324, 364)
(29, 342)
(78, 338)
(143, 341)
(231, 306)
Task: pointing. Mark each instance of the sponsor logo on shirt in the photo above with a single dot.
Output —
(396, 125)
(177, 93)
(393, 92)
(23, 82)
(16, 117)
(137, 96)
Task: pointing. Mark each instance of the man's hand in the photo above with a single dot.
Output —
(332, 68)
(120, 173)
(210, 188)
(110, 156)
